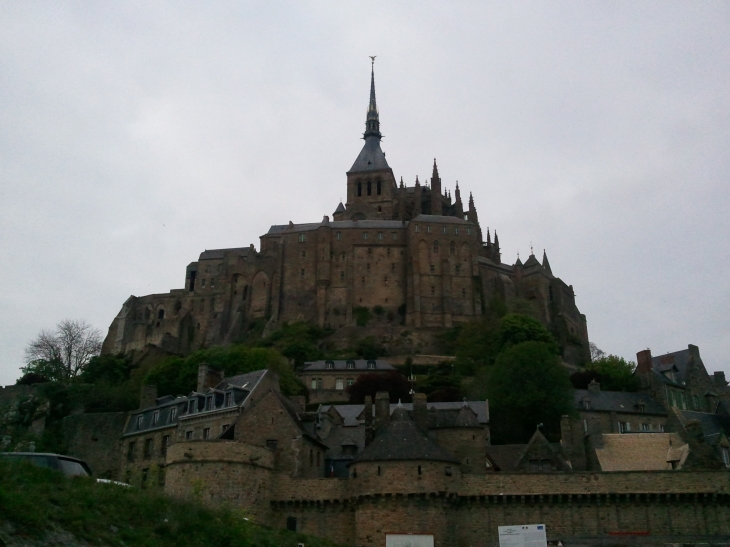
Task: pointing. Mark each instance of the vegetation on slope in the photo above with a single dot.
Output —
(36, 504)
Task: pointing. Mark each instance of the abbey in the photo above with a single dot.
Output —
(413, 252)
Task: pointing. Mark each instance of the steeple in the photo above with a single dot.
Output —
(372, 120)
(545, 263)
(457, 203)
(436, 197)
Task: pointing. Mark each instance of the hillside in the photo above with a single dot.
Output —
(39, 507)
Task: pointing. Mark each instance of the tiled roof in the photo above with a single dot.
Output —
(617, 401)
(641, 451)
(402, 439)
(341, 364)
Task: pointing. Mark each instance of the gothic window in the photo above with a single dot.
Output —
(359, 189)
(435, 246)
(161, 314)
(452, 248)
(370, 188)
(379, 184)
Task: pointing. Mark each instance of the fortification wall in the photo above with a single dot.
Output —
(221, 472)
(95, 438)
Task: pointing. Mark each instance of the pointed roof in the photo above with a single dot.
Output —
(435, 173)
(519, 262)
(545, 263)
(371, 157)
(531, 261)
(402, 439)
(340, 208)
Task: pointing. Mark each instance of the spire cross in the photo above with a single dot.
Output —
(372, 60)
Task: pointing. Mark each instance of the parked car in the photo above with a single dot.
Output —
(72, 467)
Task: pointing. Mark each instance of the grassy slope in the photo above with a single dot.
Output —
(38, 501)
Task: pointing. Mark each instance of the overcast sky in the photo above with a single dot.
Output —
(134, 135)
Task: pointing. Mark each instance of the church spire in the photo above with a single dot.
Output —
(372, 120)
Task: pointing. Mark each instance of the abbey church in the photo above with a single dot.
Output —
(413, 252)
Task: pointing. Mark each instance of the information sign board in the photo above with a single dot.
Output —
(528, 535)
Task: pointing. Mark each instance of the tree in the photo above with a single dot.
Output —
(615, 373)
(393, 382)
(443, 384)
(516, 329)
(528, 386)
(596, 352)
(63, 353)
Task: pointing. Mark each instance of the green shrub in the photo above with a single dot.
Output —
(362, 316)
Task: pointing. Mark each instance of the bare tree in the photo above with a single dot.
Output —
(596, 352)
(66, 350)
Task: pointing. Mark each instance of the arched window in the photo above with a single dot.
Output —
(379, 187)
(359, 189)
(435, 246)
(452, 248)
(370, 188)
(161, 313)
(245, 292)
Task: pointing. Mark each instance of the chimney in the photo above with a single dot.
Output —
(368, 412)
(382, 407)
(420, 411)
(719, 378)
(594, 387)
(208, 377)
(147, 396)
(644, 362)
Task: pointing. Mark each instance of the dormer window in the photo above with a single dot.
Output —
(350, 365)
(173, 413)
(192, 406)
(139, 421)
(227, 400)
(641, 407)
(586, 403)
(371, 365)
(329, 365)
(155, 417)
(209, 403)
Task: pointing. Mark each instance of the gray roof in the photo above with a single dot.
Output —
(371, 157)
(713, 425)
(351, 413)
(249, 380)
(506, 456)
(447, 418)
(617, 401)
(341, 364)
(440, 219)
(337, 224)
(532, 261)
(677, 359)
(340, 208)
(212, 254)
(402, 439)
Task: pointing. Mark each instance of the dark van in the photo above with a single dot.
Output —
(72, 467)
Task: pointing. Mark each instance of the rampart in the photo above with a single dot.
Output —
(95, 438)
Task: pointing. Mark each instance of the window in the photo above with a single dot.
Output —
(350, 364)
(173, 413)
(415, 228)
(452, 248)
(379, 184)
(428, 229)
(343, 256)
(367, 266)
(645, 427)
(641, 407)
(378, 470)
(371, 365)
(386, 280)
(338, 235)
(468, 231)
(586, 404)
(209, 403)
(448, 472)
(161, 477)
(140, 418)
(463, 293)
(130, 452)
(457, 269)
(456, 230)
(302, 238)
(342, 274)
(163, 446)
(435, 246)
(148, 448)
(271, 444)
(304, 254)
(192, 406)
(443, 229)
(225, 427)
(339, 384)
(227, 400)
(392, 267)
(433, 290)
(370, 188)
(311, 458)
(301, 273)
(696, 402)
(364, 235)
(726, 456)
(161, 314)
(329, 365)
(145, 476)
(291, 522)
(314, 383)
(350, 381)
(380, 235)
(624, 427)
(188, 435)
(359, 189)
(319, 383)
(419, 469)
(206, 433)
(370, 250)
(432, 268)
(394, 235)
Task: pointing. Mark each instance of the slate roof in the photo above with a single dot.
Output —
(370, 158)
(641, 451)
(338, 224)
(250, 379)
(677, 359)
(447, 418)
(713, 425)
(617, 401)
(340, 208)
(341, 365)
(213, 254)
(440, 219)
(532, 261)
(506, 456)
(401, 439)
(351, 413)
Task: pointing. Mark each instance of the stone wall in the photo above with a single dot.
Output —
(95, 438)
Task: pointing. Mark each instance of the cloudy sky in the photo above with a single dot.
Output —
(134, 135)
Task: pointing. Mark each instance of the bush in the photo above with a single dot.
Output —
(614, 373)
(362, 316)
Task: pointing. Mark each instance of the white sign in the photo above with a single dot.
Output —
(529, 535)
(408, 540)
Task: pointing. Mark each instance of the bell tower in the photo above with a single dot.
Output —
(370, 181)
